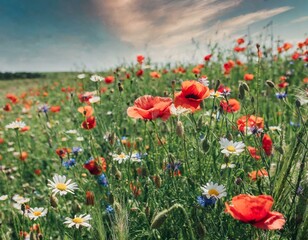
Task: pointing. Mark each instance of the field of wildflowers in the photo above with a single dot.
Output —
(216, 150)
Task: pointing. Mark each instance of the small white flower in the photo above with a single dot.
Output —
(3, 197)
(227, 165)
(96, 78)
(275, 128)
(204, 81)
(213, 190)
(94, 99)
(35, 213)
(71, 131)
(120, 157)
(81, 76)
(77, 221)
(79, 139)
(11, 149)
(230, 147)
(61, 186)
(177, 111)
(302, 96)
(15, 125)
(108, 113)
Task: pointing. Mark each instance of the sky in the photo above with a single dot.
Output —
(94, 35)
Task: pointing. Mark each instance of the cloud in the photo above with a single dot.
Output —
(161, 23)
(301, 19)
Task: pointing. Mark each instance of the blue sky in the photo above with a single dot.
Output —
(58, 35)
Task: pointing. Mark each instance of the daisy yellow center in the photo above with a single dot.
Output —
(37, 214)
(61, 186)
(213, 192)
(231, 148)
(78, 220)
(217, 94)
(122, 155)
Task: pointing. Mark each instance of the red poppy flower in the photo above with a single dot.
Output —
(254, 153)
(1, 140)
(109, 79)
(301, 44)
(283, 78)
(287, 46)
(136, 190)
(267, 144)
(232, 105)
(148, 108)
(239, 49)
(61, 152)
(12, 97)
(223, 89)
(283, 85)
(248, 77)
(140, 59)
(255, 210)
(196, 70)
(279, 49)
(23, 156)
(207, 57)
(89, 123)
(295, 56)
(25, 129)
(86, 111)
(155, 75)
(240, 41)
(55, 109)
(96, 166)
(191, 95)
(139, 73)
(249, 121)
(254, 175)
(37, 172)
(7, 107)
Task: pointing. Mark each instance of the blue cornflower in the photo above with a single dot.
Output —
(109, 209)
(295, 124)
(76, 150)
(256, 130)
(204, 201)
(44, 108)
(69, 163)
(102, 180)
(281, 95)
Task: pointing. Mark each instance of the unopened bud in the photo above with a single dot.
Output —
(205, 145)
(159, 219)
(297, 103)
(110, 198)
(180, 129)
(252, 99)
(201, 230)
(245, 86)
(270, 83)
(89, 198)
(120, 86)
(217, 85)
(157, 181)
(241, 92)
(238, 181)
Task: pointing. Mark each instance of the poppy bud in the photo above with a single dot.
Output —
(180, 129)
(33, 236)
(252, 99)
(297, 103)
(157, 181)
(76, 206)
(201, 230)
(110, 198)
(53, 201)
(245, 86)
(120, 86)
(205, 145)
(173, 84)
(241, 92)
(217, 85)
(238, 181)
(270, 83)
(89, 198)
(147, 210)
(40, 236)
(159, 219)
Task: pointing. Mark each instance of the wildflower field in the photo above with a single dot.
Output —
(208, 150)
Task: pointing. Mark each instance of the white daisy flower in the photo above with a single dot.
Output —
(94, 99)
(81, 76)
(3, 197)
(61, 186)
(230, 147)
(177, 111)
(35, 213)
(20, 199)
(215, 94)
(15, 125)
(11, 149)
(274, 128)
(227, 165)
(96, 78)
(79, 139)
(81, 220)
(120, 157)
(213, 190)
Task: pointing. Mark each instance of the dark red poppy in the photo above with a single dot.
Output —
(207, 57)
(267, 144)
(89, 123)
(96, 166)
